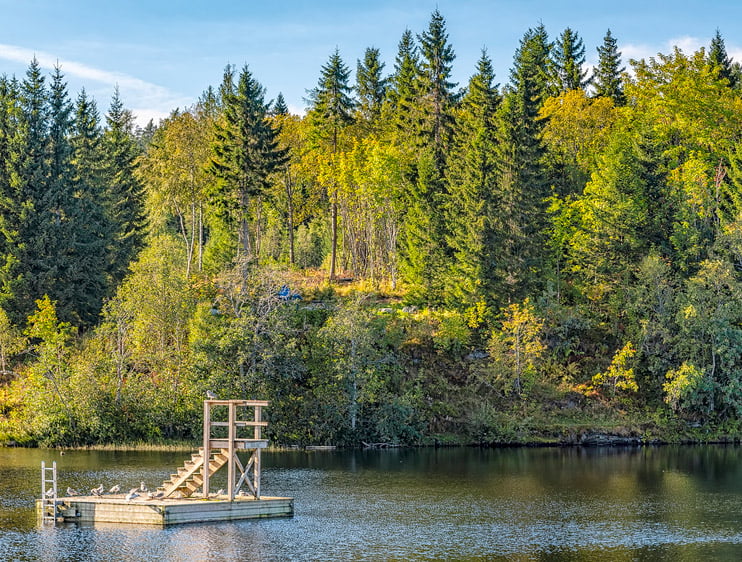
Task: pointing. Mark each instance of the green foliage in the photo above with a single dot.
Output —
(517, 348)
(123, 198)
(607, 76)
(619, 377)
(139, 267)
(473, 189)
(710, 339)
(683, 388)
(12, 342)
(370, 85)
(245, 152)
(568, 58)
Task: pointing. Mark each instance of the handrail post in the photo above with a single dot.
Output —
(232, 452)
(206, 447)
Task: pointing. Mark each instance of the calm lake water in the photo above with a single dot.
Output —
(679, 503)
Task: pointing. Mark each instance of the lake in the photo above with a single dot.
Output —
(653, 503)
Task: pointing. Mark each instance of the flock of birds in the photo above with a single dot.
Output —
(140, 492)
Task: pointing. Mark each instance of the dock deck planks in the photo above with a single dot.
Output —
(163, 512)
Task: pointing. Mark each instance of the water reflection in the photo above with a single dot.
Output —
(529, 504)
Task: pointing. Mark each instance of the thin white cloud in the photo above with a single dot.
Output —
(687, 44)
(153, 101)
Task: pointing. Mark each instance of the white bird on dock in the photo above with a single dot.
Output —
(72, 492)
(97, 491)
(155, 495)
(142, 486)
(49, 493)
(132, 494)
(115, 490)
(220, 492)
(210, 395)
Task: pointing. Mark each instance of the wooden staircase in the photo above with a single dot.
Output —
(189, 477)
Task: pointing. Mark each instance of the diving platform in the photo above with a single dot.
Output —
(231, 428)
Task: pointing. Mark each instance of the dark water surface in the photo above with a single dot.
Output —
(666, 503)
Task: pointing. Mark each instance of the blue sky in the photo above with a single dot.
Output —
(164, 53)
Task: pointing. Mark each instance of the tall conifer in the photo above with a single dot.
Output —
(436, 96)
(94, 236)
(371, 85)
(607, 75)
(425, 252)
(279, 106)
(330, 112)
(718, 59)
(473, 192)
(403, 91)
(568, 56)
(520, 217)
(124, 198)
(25, 272)
(245, 153)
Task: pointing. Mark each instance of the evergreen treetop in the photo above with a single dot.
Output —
(607, 76)
(279, 106)
(568, 57)
(331, 104)
(718, 59)
(371, 85)
(436, 89)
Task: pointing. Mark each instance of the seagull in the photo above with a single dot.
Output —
(97, 491)
(142, 486)
(220, 492)
(132, 494)
(72, 492)
(115, 490)
(210, 395)
(49, 493)
(155, 495)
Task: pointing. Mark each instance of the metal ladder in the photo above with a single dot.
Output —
(48, 500)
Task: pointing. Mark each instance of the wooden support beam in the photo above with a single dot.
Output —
(206, 446)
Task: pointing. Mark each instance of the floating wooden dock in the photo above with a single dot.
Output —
(185, 497)
(163, 512)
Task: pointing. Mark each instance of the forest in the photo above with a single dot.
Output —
(410, 262)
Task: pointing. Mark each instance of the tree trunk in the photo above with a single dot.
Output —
(290, 209)
(333, 256)
(200, 237)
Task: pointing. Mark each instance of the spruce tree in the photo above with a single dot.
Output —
(720, 61)
(520, 216)
(424, 250)
(607, 75)
(371, 85)
(330, 112)
(279, 106)
(124, 192)
(10, 200)
(58, 208)
(330, 103)
(245, 153)
(94, 235)
(436, 96)
(402, 93)
(473, 192)
(568, 57)
(25, 271)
